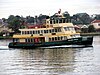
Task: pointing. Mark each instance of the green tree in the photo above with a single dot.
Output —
(42, 17)
(10, 18)
(91, 28)
(82, 18)
(30, 19)
(66, 15)
(14, 23)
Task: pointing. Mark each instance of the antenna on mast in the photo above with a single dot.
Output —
(59, 11)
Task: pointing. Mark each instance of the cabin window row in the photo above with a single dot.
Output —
(15, 40)
(36, 40)
(29, 40)
(69, 28)
(41, 31)
(58, 38)
(60, 21)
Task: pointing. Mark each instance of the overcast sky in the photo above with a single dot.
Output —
(47, 7)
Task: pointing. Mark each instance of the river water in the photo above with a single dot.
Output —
(50, 61)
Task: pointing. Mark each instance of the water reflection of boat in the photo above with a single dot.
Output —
(54, 32)
(46, 60)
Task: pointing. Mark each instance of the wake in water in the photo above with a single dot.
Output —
(4, 47)
(61, 46)
(67, 46)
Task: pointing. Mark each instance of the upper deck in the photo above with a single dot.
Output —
(58, 22)
(57, 26)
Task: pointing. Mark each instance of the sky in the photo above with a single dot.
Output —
(47, 7)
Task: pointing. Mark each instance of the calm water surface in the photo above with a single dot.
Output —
(54, 61)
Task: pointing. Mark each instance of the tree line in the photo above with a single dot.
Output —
(16, 22)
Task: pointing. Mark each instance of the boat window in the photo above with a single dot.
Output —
(32, 40)
(50, 21)
(66, 29)
(29, 40)
(49, 39)
(55, 38)
(52, 38)
(38, 32)
(50, 30)
(33, 32)
(54, 21)
(59, 30)
(63, 20)
(60, 20)
(16, 40)
(22, 32)
(62, 38)
(25, 32)
(66, 20)
(26, 40)
(57, 21)
(55, 30)
(30, 32)
(65, 37)
(71, 28)
(41, 31)
(58, 38)
(47, 31)
(44, 31)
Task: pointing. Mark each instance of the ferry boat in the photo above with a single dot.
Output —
(54, 32)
